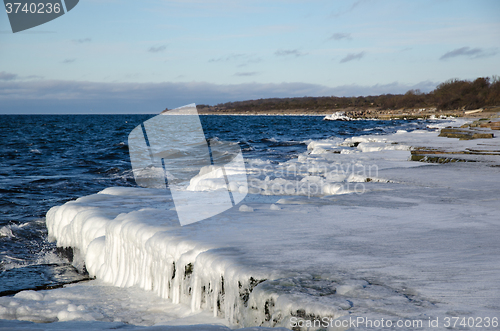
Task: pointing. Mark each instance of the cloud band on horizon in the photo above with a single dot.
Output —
(20, 96)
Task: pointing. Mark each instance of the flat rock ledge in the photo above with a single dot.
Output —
(465, 134)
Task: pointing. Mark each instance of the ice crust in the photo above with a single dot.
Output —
(95, 305)
(421, 241)
(146, 248)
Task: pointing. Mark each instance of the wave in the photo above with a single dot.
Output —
(338, 116)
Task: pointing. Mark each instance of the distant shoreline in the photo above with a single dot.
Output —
(366, 113)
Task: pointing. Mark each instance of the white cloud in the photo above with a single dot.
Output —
(340, 36)
(157, 49)
(473, 53)
(246, 74)
(227, 58)
(352, 56)
(7, 75)
(82, 40)
(289, 52)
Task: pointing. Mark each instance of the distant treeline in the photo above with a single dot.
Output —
(453, 94)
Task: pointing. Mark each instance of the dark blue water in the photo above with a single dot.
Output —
(47, 160)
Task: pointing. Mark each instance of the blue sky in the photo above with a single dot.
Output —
(125, 56)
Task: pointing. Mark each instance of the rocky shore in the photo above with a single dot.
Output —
(485, 131)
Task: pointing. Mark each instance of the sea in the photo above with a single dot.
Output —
(47, 160)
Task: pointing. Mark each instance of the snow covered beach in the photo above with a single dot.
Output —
(351, 228)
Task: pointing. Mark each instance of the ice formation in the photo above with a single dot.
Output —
(408, 247)
(135, 240)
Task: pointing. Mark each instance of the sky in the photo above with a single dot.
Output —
(123, 56)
